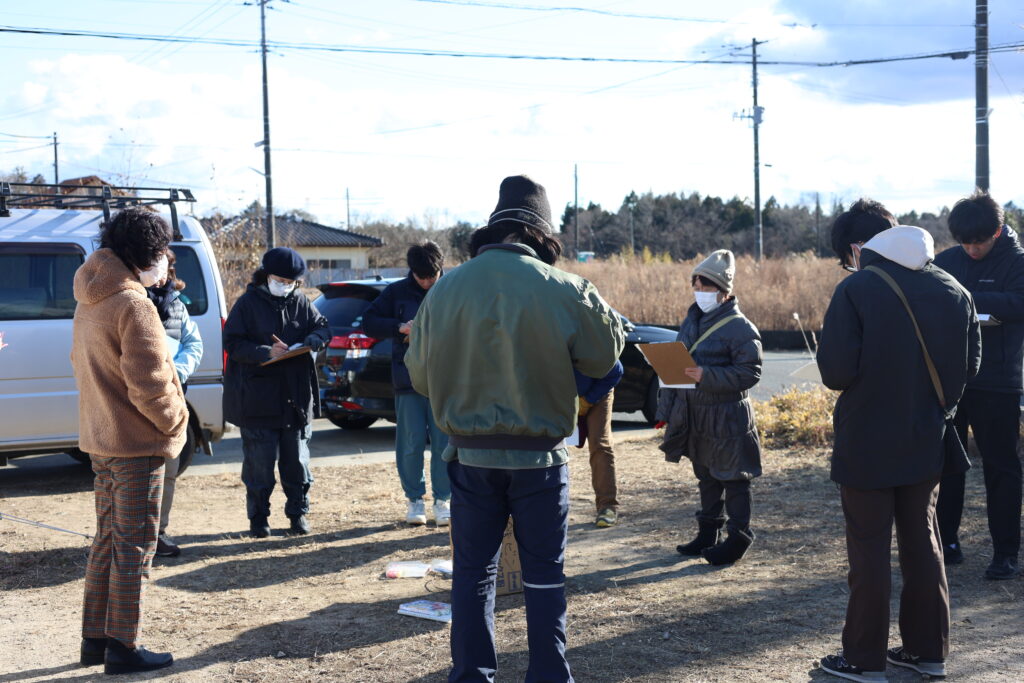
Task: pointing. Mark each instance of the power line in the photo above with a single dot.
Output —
(324, 47)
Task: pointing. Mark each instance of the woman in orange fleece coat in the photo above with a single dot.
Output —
(132, 416)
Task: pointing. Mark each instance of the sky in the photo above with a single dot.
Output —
(429, 138)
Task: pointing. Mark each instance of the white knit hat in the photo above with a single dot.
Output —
(720, 268)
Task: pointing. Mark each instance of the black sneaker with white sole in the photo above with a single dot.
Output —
(838, 666)
(933, 668)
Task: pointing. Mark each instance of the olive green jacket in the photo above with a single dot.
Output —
(494, 345)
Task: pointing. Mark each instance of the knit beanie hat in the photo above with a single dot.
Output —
(284, 262)
(522, 200)
(720, 268)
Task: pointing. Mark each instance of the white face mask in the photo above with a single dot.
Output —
(155, 273)
(279, 288)
(708, 301)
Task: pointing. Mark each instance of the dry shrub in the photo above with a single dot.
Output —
(797, 417)
(647, 289)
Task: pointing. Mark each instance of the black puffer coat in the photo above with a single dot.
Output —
(713, 425)
(284, 395)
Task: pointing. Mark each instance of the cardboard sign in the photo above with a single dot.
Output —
(670, 361)
(510, 572)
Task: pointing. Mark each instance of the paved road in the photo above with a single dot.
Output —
(331, 446)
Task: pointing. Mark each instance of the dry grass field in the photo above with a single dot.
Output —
(316, 608)
(769, 292)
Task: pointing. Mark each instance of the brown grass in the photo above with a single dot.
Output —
(769, 292)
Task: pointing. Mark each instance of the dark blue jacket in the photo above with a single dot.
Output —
(397, 304)
(284, 395)
(594, 389)
(997, 284)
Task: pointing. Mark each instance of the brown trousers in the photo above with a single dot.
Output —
(128, 492)
(602, 457)
(924, 602)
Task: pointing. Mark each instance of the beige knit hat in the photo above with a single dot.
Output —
(720, 268)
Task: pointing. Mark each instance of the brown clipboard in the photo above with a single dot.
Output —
(669, 360)
(291, 354)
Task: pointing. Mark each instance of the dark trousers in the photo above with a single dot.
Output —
(924, 602)
(260, 449)
(128, 492)
(602, 457)
(482, 500)
(715, 496)
(995, 420)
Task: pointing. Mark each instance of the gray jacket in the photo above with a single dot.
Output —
(713, 425)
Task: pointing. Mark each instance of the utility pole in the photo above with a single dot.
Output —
(981, 179)
(817, 224)
(271, 227)
(56, 168)
(576, 210)
(348, 212)
(757, 159)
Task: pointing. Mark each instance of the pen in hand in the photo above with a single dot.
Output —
(278, 348)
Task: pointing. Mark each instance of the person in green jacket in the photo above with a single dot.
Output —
(494, 346)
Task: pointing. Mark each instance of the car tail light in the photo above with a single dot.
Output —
(224, 366)
(355, 340)
(349, 405)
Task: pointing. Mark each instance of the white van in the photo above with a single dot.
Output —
(40, 250)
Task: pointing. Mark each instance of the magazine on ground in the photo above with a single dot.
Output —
(427, 609)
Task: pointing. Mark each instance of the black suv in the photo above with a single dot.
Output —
(355, 369)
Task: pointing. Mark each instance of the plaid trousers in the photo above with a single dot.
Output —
(128, 493)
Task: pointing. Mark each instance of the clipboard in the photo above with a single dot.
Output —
(298, 351)
(670, 360)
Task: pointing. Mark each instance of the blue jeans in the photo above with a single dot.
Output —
(415, 422)
(482, 500)
(260, 448)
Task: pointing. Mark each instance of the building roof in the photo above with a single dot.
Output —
(295, 232)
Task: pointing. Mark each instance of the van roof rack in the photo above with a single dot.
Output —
(105, 197)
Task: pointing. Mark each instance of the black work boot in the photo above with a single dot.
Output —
(124, 660)
(708, 533)
(93, 650)
(299, 524)
(259, 527)
(731, 549)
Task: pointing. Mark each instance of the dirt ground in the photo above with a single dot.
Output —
(232, 608)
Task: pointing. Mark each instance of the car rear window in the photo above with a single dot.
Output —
(190, 272)
(37, 280)
(342, 311)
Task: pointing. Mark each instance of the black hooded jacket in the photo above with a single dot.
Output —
(284, 395)
(997, 284)
(889, 426)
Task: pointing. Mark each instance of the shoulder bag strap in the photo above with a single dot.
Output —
(927, 357)
(711, 329)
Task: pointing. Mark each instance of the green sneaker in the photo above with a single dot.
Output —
(606, 518)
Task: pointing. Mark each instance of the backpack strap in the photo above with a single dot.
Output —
(932, 372)
(711, 329)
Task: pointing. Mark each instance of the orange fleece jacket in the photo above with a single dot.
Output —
(130, 402)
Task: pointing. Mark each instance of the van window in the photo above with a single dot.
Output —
(191, 273)
(37, 280)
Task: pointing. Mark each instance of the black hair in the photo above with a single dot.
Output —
(138, 236)
(862, 221)
(547, 247)
(425, 260)
(975, 218)
(172, 272)
(706, 282)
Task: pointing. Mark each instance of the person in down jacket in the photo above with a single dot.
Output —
(713, 423)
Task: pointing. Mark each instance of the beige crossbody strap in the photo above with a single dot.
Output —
(710, 330)
(927, 357)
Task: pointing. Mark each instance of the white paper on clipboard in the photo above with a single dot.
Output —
(662, 385)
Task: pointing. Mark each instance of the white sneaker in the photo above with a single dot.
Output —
(417, 514)
(442, 512)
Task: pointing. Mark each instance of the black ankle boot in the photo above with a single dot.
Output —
(123, 660)
(731, 549)
(707, 536)
(299, 525)
(259, 527)
(92, 652)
